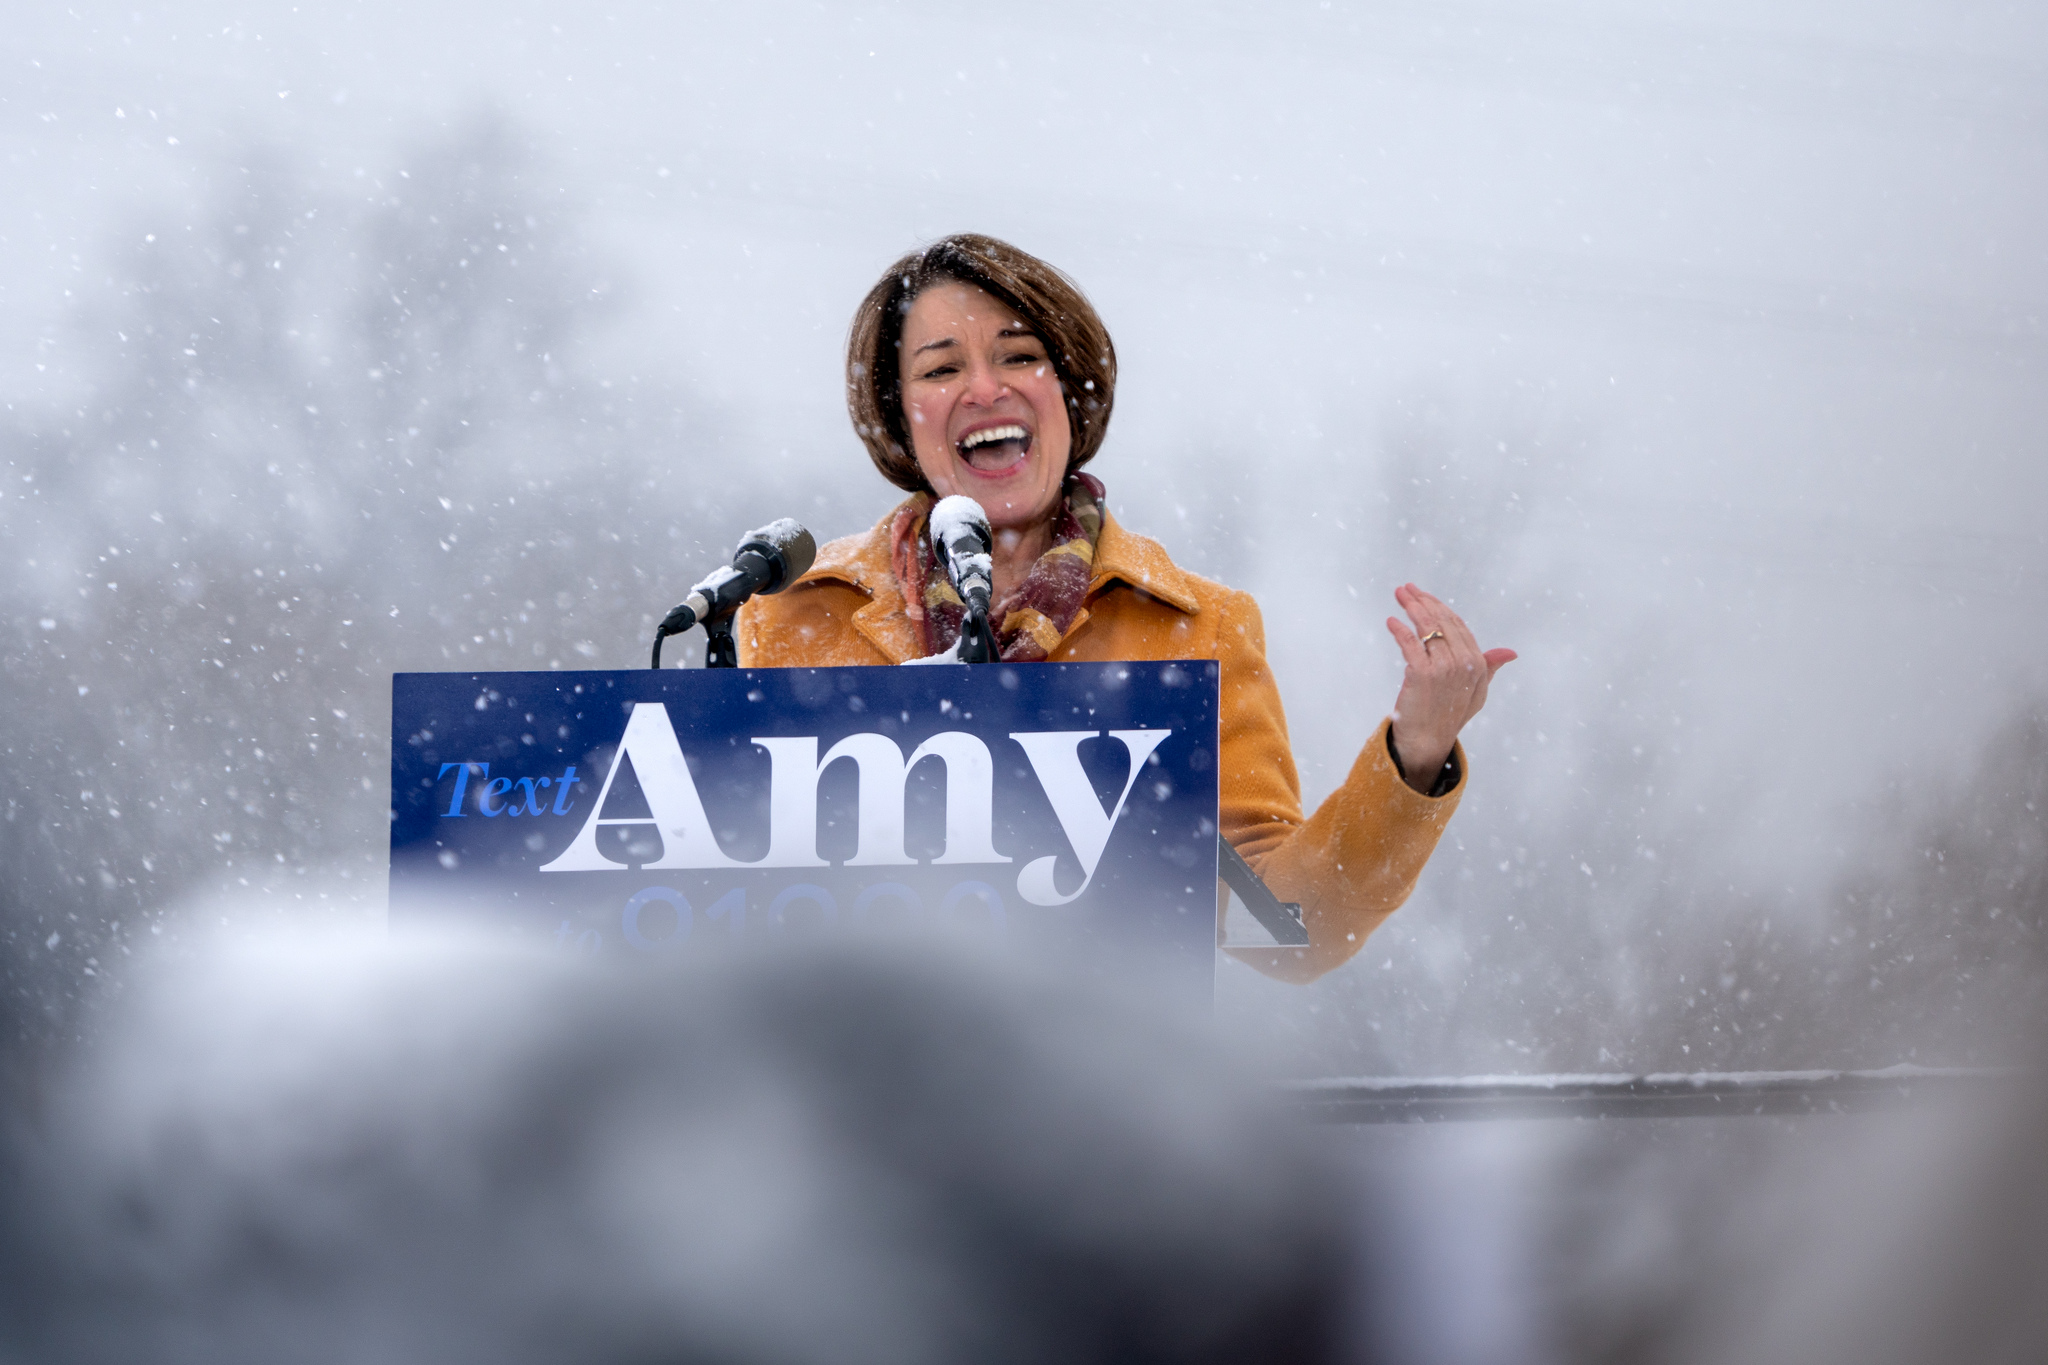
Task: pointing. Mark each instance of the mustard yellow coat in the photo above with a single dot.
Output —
(1350, 865)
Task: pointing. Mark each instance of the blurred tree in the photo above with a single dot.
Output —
(331, 432)
(1652, 957)
(1935, 947)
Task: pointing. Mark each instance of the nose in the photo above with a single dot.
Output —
(984, 385)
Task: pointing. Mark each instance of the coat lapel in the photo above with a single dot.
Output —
(862, 562)
(1124, 556)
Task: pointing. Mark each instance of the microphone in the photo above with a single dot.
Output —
(960, 533)
(767, 561)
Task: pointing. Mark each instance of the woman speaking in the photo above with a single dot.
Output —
(975, 368)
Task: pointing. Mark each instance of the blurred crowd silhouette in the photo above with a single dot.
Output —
(448, 1150)
(440, 1148)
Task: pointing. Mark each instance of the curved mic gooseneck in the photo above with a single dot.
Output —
(767, 561)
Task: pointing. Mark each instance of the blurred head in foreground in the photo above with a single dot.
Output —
(1920, 1241)
(456, 1152)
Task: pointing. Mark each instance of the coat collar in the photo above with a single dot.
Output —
(1141, 562)
(862, 562)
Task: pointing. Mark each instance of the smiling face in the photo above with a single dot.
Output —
(983, 405)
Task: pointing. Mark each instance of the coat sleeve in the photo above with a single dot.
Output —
(1354, 861)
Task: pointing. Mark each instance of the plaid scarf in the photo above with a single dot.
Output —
(1031, 621)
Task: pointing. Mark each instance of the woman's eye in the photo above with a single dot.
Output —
(940, 372)
(1024, 358)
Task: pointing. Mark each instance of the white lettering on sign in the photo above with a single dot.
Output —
(794, 769)
(672, 800)
(1056, 758)
(793, 799)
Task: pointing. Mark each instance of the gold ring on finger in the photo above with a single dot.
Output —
(1433, 635)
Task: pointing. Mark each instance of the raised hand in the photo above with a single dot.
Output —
(1445, 684)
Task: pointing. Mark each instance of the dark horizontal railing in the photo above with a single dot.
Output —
(1375, 1099)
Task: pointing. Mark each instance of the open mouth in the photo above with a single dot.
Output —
(995, 448)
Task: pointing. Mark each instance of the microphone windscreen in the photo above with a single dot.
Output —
(785, 544)
(958, 517)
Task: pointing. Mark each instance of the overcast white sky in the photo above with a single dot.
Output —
(1781, 264)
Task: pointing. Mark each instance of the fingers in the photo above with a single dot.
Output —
(1446, 620)
(1412, 651)
(1454, 652)
(1447, 677)
(1427, 613)
(1458, 647)
(1420, 610)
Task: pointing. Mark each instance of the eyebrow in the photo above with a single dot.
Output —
(944, 342)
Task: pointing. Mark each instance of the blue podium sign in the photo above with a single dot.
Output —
(1069, 805)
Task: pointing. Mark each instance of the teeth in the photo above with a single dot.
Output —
(988, 434)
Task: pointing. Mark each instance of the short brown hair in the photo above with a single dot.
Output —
(1050, 304)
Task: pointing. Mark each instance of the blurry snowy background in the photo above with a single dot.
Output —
(1694, 351)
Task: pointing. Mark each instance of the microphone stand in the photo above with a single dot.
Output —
(719, 649)
(977, 638)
